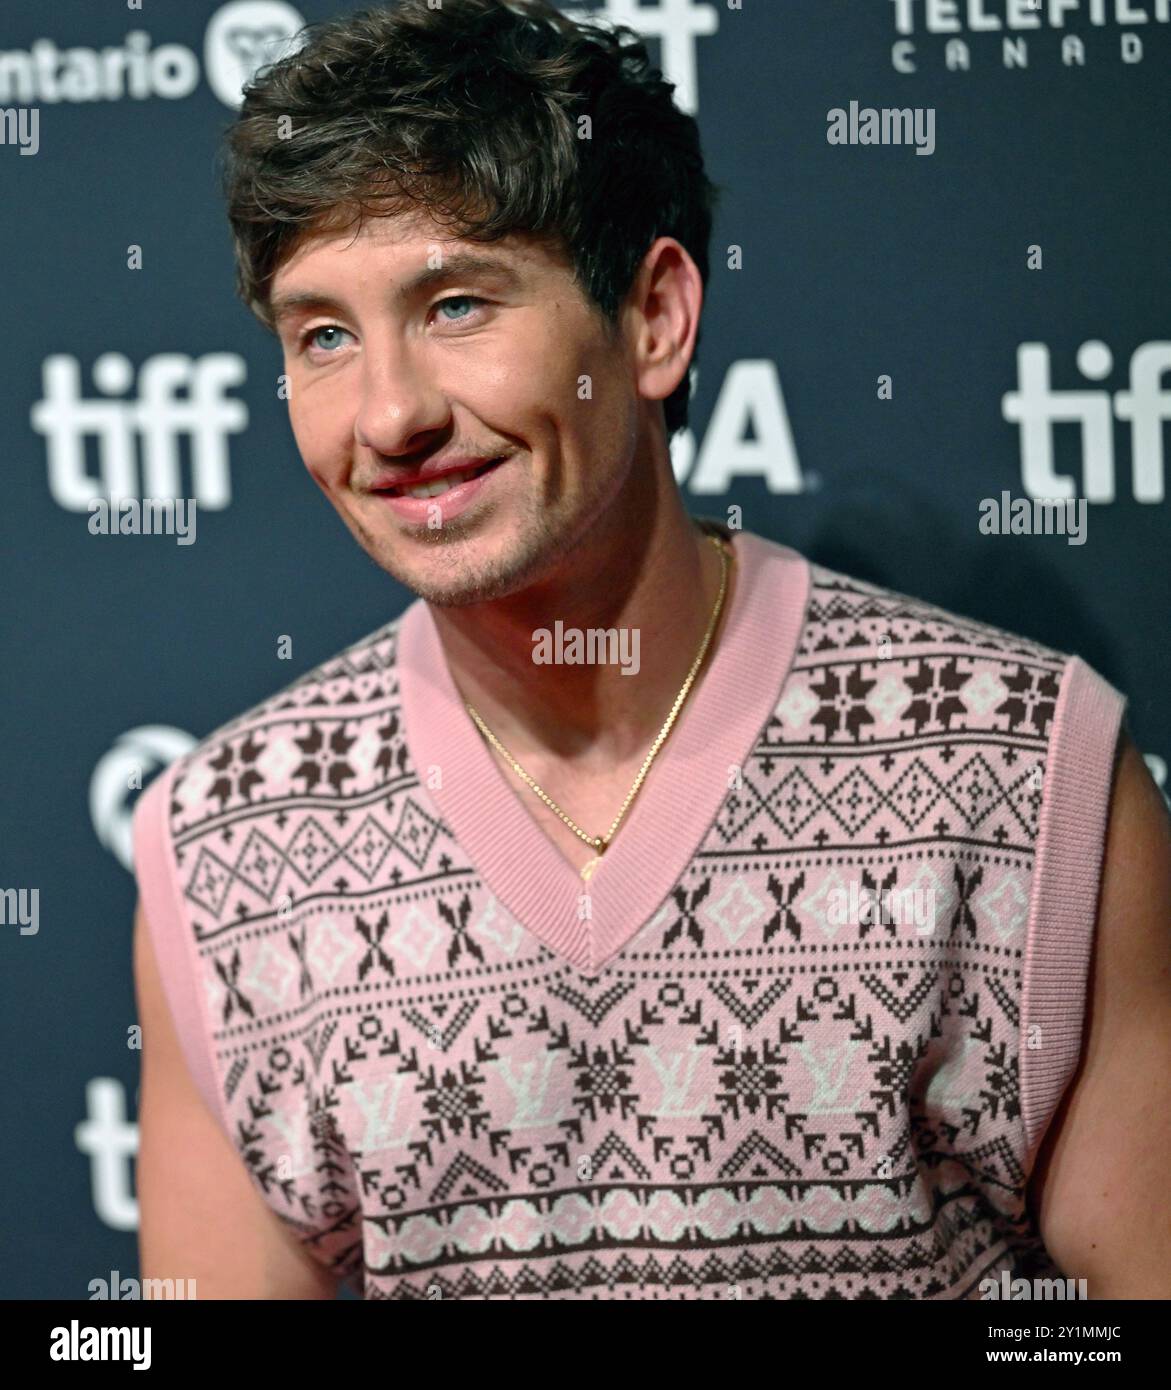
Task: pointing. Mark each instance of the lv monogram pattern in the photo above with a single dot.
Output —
(773, 1091)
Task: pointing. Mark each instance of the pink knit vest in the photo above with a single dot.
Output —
(800, 1035)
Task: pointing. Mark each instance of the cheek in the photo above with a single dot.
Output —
(320, 426)
(608, 411)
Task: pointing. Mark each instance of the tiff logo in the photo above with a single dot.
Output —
(22, 127)
(158, 419)
(1037, 407)
(676, 23)
(110, 1141)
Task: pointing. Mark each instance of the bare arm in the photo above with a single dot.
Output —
(1101, 1185)
(200, 1215)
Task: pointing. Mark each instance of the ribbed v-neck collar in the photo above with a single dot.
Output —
(587, 923)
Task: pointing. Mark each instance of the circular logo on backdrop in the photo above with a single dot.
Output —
(242, 37)
(138, 751)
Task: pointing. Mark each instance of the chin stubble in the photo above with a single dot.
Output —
(470, 583)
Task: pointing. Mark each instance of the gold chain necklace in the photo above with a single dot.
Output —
(600, 842)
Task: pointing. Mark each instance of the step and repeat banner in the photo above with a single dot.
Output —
(940, 291)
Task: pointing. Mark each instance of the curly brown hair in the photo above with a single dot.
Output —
(477, 111)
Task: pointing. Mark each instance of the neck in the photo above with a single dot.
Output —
(662, 579)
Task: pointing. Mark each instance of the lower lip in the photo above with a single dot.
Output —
(446, 505)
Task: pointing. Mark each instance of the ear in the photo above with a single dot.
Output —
(664, 305)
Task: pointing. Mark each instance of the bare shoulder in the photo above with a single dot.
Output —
(1100, 1189)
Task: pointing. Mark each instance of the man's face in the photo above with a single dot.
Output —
(390, 375)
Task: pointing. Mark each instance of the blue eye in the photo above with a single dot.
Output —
(314, 333)
(459, 299)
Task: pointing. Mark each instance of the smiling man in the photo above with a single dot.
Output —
(464, 973)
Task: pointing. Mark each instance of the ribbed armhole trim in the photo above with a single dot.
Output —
(180, 968)
(1066, 877)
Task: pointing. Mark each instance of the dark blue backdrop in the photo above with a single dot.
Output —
(834, 265)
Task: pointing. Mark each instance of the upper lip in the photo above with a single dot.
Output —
(437, 468)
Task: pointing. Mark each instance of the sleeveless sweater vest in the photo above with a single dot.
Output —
(800, 1036)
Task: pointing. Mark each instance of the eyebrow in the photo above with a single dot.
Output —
(455, 266)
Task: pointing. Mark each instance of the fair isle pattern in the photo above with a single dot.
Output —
(753, 1098)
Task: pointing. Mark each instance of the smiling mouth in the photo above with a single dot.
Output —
(439, 486)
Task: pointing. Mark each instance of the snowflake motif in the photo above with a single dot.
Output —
(604, 1080)
(453, 1102)
(843, 702)
(751, 1079)
(237, 775)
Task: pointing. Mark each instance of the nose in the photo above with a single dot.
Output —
(400, 398)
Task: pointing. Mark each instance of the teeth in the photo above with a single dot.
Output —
(440, 485)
